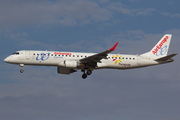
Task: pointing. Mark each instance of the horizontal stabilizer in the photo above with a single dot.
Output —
(166, 57)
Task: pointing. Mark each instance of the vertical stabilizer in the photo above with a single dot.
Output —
(161, 48)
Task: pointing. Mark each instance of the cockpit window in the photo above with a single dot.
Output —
(16, 53)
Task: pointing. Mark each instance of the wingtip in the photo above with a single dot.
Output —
(113, 48)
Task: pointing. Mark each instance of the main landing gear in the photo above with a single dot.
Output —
(84, 76)
(21, 65)
(89, 72)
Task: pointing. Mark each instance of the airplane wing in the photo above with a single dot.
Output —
(97, 57)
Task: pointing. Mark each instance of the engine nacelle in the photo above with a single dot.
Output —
(70, 64)
(61, 70)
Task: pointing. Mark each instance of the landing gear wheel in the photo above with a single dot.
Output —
(21, 65)
(89, 72)
(84, 76)
(21, 70)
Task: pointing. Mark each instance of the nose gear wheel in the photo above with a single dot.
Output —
(21, 70)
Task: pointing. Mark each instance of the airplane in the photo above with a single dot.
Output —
(70, 62)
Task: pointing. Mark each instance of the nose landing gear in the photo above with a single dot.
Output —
(21, 70)
(21, 65)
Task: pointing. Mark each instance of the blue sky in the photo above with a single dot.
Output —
(40, 93)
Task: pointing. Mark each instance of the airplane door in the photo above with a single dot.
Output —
(22, 55)
(27, 54)
(139, 60)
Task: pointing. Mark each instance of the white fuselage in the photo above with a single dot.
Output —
(56, 58)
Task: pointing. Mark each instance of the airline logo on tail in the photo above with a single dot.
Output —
(160, 45)
(162, 51)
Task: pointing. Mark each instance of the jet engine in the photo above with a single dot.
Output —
(70, 64)
(61, 70)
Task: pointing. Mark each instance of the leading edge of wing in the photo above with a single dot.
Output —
(97, 57)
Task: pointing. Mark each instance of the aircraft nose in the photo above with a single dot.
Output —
(6, 59)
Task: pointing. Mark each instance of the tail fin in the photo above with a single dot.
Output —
(161, 48)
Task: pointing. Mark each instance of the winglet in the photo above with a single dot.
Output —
(113, 48)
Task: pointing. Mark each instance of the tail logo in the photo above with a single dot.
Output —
(162, 51)
(160, 45)
(115, 58)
